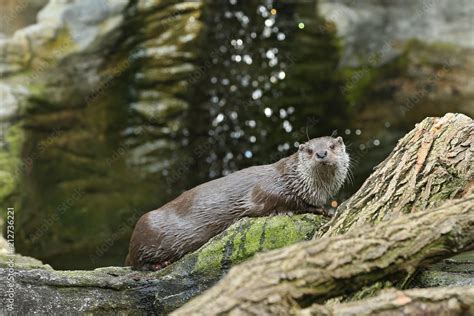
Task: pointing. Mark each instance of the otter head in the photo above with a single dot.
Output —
(323, 164)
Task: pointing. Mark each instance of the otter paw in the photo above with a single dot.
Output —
(321, 210)
(160, 265)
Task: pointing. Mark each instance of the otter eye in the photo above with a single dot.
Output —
(309, 151)
(332, 146)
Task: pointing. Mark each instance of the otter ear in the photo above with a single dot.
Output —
(301, 147)
(339, 140)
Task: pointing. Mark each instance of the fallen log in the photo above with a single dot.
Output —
(292, 278)
(449, 301)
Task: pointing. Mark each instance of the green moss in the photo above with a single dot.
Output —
(432, 53)
(21, 262)
(10, 162)
(251, 235)
(360, 82)
(62, 45)
(357, 82)
(210, 256)
(368, 291)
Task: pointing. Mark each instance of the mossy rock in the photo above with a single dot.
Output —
(120, 290)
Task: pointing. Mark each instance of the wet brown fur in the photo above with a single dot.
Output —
(183, 225)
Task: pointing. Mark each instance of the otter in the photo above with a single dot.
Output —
(300, 183)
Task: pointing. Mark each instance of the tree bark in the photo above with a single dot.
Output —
(432, 163)
(292, 278)
(449, 301)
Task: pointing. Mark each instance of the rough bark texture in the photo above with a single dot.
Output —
(294, 277)
(436, 302)
(432, 163)
(41, 289)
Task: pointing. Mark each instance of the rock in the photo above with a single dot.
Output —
(20, 262)
(380, 27)
(40, 289)
(71, 81)
(455, 271)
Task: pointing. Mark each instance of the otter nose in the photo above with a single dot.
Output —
(322, 154)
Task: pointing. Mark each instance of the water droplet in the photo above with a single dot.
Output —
(347, 131)
(251, 123)
(269, 22)
(268, 112)
(376, 142)
(263, 11)
(253, 139)
(301, 25)
(270, 54)
(248, 154)
(219, 118)
(247, 59)
(281, 36)
(273, 62)
(257, 94)
(287, 126)
(281, 75)
(358, 132)
(267, 32)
